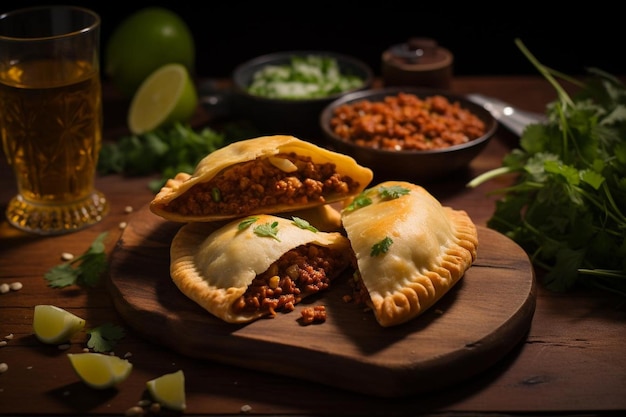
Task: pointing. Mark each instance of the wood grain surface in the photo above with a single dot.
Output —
(474, 325)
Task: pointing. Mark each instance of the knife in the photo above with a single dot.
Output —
(509, 116)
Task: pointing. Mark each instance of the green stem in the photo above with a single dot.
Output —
(615, 214)
(545, 71)
(613, 273)
(488, 175)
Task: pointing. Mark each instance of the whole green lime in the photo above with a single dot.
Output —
(144, 41)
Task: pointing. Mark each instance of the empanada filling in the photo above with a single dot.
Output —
(302, 271)
(360, 295)
(248, 186)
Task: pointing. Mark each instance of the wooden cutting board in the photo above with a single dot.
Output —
(473, 326)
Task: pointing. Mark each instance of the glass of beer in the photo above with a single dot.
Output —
(51, 117)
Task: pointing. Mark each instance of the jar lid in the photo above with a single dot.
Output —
(418, 54)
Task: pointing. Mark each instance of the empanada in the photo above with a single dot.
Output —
(410, 250)
(238, 270)
(269, 174)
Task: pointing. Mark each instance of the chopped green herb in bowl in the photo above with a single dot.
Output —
(304, 77)
(285, 92)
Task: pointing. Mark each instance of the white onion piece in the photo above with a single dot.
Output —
(283, 164)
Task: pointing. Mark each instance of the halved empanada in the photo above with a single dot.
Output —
(269, 174)
(255, 266)
(410, 250)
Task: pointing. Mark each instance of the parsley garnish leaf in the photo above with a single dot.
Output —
(303, 224)
(392, 192)
(62, 275)
(361, 200)
(267, 230)
(381, 247)
(246, 223)
(84, 270)
(104, 338)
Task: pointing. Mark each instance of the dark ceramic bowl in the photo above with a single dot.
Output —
(410, 165)
(297, 117)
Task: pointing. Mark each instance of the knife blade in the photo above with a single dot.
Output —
(509, 116)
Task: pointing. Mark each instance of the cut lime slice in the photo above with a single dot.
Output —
(55, 325)
(98, 370)
(166, 96)
(169, 390)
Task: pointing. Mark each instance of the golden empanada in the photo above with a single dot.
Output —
(238, 270)
(410, 250)
(269, 174)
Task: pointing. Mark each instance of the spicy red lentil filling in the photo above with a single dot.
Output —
(244, 187)
(315, 314)
(302, 271)
(406, 122)
(360, 295)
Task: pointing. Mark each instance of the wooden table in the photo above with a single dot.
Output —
(572, 361)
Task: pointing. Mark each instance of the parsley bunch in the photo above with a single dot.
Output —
(166, 151)
(566, 208)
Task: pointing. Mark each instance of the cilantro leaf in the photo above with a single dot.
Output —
(84, 270)
(361, 200)
(381, 247)
(246, 223)
(92, 266)
(303, 224)
(62, 275)
(392, 192)
(267, 230)
(105, 337)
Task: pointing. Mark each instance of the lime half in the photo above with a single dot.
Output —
(165, 97)
(98, 370)
(55, 325)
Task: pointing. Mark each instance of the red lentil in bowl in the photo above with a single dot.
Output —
(408, 133)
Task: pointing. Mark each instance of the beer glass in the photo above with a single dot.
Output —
(51, 116)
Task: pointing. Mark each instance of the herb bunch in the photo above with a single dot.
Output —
(166, 151)
(567, 205)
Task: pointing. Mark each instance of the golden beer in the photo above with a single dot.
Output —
(51, 129)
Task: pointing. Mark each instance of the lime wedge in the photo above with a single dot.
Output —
(169, 390)
(52, 324)
(166, 96)
(98, 370)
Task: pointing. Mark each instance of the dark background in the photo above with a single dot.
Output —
(227, 33)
